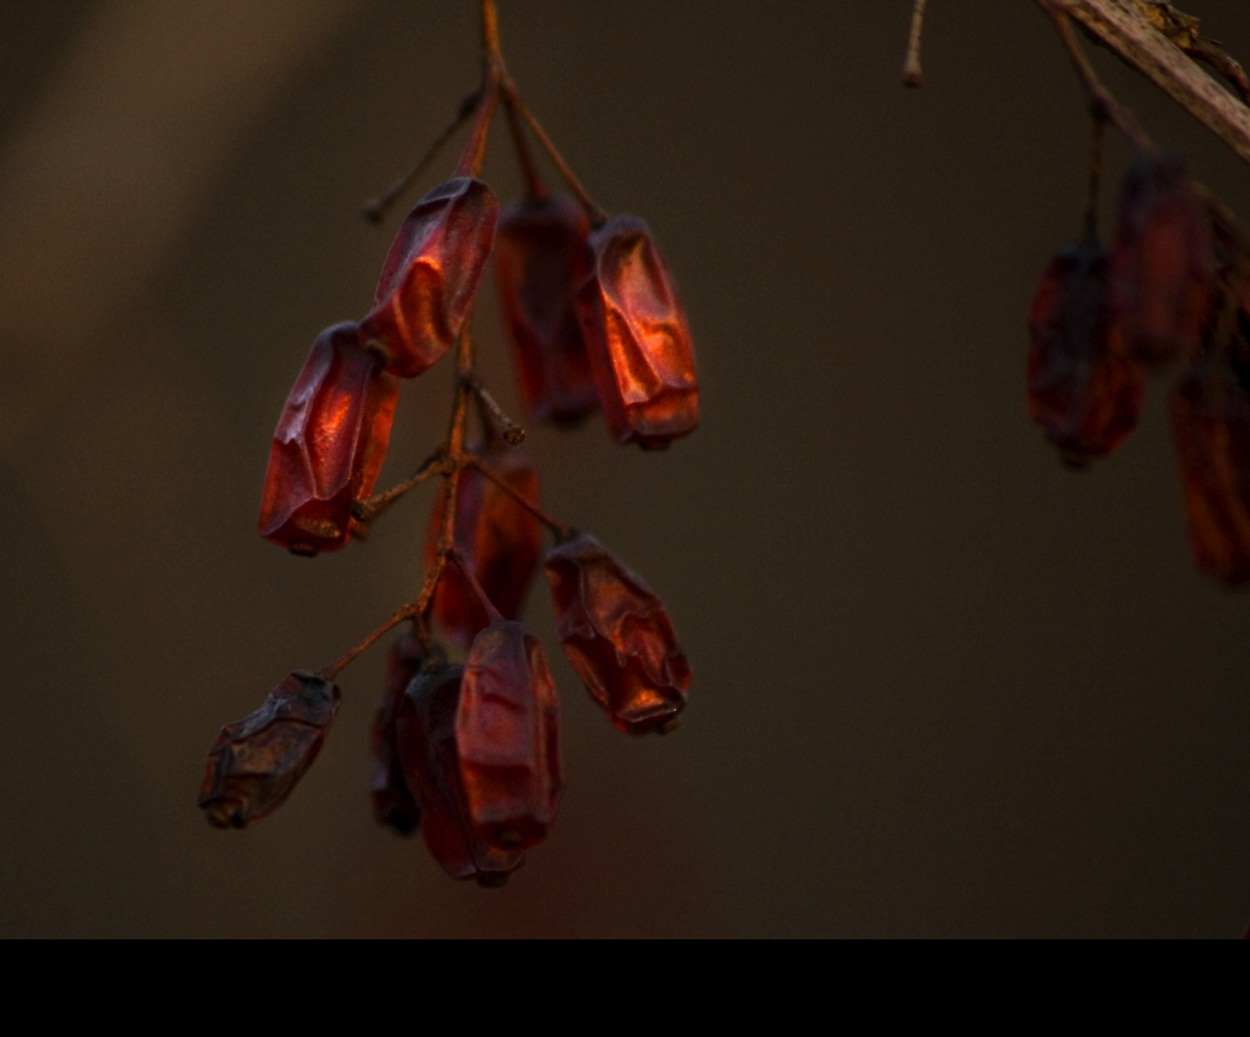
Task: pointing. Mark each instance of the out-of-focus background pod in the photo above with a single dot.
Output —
(942, 686)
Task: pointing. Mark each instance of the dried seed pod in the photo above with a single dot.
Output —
(498, 539)
(425, 731)
(1083, 393)
(541, 257)
(394, 805)
(1211, 426)
(618, 637)
(637, 337)
(431, 274)
(256, 762)
(1162, 266)
(508, 738)
(329, 445)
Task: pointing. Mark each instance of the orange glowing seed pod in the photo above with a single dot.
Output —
(329, 445)
(541, 257)
(508, 738)
(1084, 394)
(1163, 274)
(618, 636)
(255, 763)
(1211, 427)
(637, 337)
(497, 538)
(425, 734)
(431, 274)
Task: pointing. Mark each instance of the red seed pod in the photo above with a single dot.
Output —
(256, 762)
(1083, 393)
(1163, 265)
(1211, 425)
(498, 539)
(618, 637)
(508, 738)
(637, 337)
(540, 259)
(425, 732)
(431, 274)
(329, 445)
(393, 802)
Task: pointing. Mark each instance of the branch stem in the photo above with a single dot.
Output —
(1122, 26)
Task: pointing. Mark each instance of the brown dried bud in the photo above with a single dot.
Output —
(540, 258)
(1211, 425)
(1163, 264)
(508, 737)
(498, 539)
(256, 762)
(431, 274)
(637, 338)
(426, 735)
(1085, 395)
(329, 445)
(618, 637)
(394, 805)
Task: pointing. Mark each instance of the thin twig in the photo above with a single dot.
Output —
(913, 74)
(597, 215)
(1101, 98)
(376, 208)
(1121, 26)
(561, 531)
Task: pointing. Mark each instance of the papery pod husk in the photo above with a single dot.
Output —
(1211, 426)
(637, 337)
(1084, 393)
(394, 805)
(256, 762)
(329, 445)
(541, 257)
(617, 634)
(431, 274)
(1163, 269)
(426, 736)
(498, 538)
(508, 737)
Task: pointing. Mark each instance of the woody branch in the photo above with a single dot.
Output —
(1141, 33)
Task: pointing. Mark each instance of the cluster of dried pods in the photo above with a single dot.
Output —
(1174, 289)
(469, 752)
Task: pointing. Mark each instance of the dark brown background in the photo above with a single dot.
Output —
(943, 687)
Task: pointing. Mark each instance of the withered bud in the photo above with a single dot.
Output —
(498, 539)
(425, 731)
(431, 274)
(256, 762)
(618, 637)
(541, 257)
(394, 805)
(637, 337)
(1211, 426)
(508, 737)
(1163, 264)
(1083, 393)
(329, 445)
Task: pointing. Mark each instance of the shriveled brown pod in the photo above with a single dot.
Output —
(1083, 393)
(637, 336)
(431, 274)
(617, 634)
(508, 737)
(1163, 264)
(255, 763)
(329, 445)
(541, 257)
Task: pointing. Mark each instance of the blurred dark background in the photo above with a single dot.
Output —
(943, 687)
